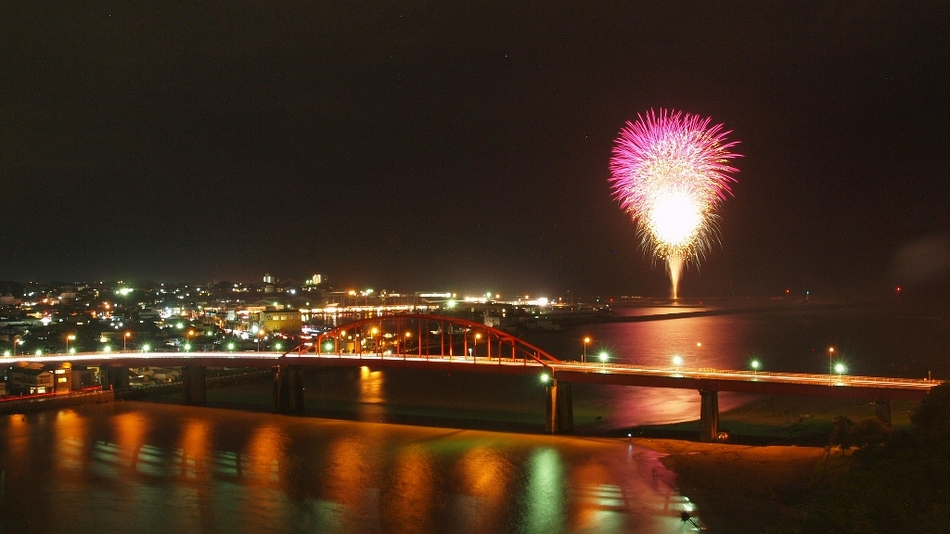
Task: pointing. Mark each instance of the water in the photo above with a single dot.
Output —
(874, 340)
(138, 467)
(358, 462)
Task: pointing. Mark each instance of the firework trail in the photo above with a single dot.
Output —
(670, 170)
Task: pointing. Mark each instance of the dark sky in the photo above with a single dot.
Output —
(465, 145)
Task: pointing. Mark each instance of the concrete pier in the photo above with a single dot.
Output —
(709, 415)
(195, 388)
(113, 378)
(559, 408)
(288, 389)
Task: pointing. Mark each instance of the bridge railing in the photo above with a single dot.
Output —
(388, 356)
(869, 381)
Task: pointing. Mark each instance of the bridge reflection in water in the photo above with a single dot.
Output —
(456, 345)
(128, 466)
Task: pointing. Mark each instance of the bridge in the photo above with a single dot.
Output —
(439, 343)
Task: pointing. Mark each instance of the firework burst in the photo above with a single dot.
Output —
(670, 170)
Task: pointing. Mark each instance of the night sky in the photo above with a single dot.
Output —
(465, 145)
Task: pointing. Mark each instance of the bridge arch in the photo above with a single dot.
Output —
(422, 335)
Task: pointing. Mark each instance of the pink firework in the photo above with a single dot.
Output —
(670, 170)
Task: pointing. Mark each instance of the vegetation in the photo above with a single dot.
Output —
(898, 482)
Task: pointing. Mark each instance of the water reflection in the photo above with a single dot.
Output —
(409, 502)
(371, 386)
(544, 492)
(195, 449)
(132, 466)
(348, 481)
(484, 475)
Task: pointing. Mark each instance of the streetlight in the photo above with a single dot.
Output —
(677, 361)
(70, 337)
(831, 353)
(405, 345)
(603, 358)
(840, 368)
(478, 335)
(586, 342)
(125, 338)
(755, 367)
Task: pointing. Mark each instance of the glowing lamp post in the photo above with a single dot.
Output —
(755, 367)
(478, 335)
(677, 361)
(70, 337)
(831, 367)
(584, 355)
(125, 339)
(603, 359)
(840, 369)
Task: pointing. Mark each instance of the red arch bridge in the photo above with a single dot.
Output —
(451, 344)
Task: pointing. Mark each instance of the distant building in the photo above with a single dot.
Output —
(31, 381)
(268, 279)
(286, 321)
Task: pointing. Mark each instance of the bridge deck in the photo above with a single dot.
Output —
(823, 385)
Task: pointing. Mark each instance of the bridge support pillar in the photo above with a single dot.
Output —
(559, 408)
(113, 378)
(709, 415)
(288, 389)
(195, 388)
(882, 409)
